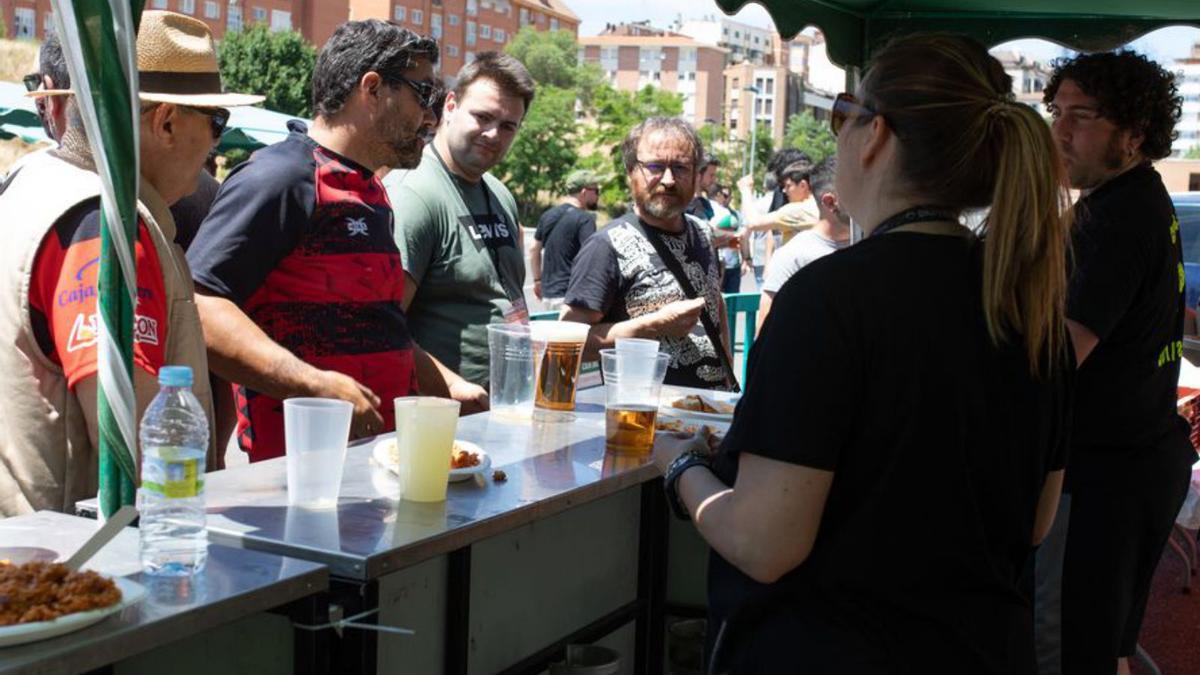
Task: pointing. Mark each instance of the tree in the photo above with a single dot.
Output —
(544, 151)
(805, 132)
(1192, 153)
(278, 65)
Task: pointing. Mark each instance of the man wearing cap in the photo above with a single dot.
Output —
(560, 234)
(48, 273)
(298, 276)
(456, 223)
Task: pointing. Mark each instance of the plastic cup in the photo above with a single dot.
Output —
(315, 432)
(425, 429)
(558, 354)
(631, 402)
(638, 357)
(512, 373)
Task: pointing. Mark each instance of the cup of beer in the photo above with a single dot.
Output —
(558, 354)
(425, 427)
(631, 399)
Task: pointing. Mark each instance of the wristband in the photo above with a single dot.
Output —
(682, 463)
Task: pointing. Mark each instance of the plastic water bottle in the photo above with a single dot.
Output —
(174, 439)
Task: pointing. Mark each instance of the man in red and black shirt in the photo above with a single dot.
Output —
(298, 276)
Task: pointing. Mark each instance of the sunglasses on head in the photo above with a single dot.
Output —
(32, 81)
(845, 107)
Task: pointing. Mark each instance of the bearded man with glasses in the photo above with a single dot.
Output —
(653, 273)
(298, 277)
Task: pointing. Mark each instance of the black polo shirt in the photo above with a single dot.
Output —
(1127, 287)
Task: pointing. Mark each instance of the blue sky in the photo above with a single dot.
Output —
(1164, 45)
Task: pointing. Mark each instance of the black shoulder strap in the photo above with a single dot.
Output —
(672, 263)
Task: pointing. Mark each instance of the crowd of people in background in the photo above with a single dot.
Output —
(929, 392)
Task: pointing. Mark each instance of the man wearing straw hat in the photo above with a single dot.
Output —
(298, 276)
(48, 272)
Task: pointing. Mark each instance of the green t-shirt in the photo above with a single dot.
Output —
(452, 236)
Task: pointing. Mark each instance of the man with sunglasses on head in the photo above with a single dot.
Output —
(298, 277)
(50, 88)
(48, 283)
(653, 273)
(457, 224)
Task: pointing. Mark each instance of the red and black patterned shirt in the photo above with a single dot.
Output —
(301, 239)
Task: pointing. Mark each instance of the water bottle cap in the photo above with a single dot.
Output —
(175, 376)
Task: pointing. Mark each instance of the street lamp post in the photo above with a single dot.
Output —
(753, 122)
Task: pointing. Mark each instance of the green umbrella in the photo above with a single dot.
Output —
(98, 38)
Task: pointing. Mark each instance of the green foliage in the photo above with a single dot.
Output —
(1192, 153)
(3, 27)
(616, 112)
(805, 132)
(277, 65)
(544, 151)
(550, 56)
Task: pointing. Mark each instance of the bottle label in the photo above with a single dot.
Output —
(173, 472)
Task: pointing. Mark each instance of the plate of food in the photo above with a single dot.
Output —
(41, 600)
(715, 434)
(466, 459)
(714, 406)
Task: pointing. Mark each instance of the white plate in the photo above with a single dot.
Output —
(669, 397)
(131, 594)
(383, 456)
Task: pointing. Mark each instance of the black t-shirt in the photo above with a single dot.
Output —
(562, 231)
(1127, 287)
(875, 364)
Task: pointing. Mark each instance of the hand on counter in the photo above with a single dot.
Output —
(367, 421)
(474, 398)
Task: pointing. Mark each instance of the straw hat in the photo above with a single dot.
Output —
(177, 63)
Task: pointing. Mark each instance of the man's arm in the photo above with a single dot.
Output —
(435, 379)
(239, 351)
(764, 308)
(675, 319)
(535, 266)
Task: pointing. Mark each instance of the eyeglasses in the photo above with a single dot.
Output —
(427, 92)
(32, 81)
(656, 170)
(846, 106)
(218, 118)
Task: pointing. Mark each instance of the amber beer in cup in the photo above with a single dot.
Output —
(559, 354)
(632, 381)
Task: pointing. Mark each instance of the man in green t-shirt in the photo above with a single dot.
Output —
(456, 224)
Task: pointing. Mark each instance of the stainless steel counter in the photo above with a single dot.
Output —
(234, 584)
(550, 467)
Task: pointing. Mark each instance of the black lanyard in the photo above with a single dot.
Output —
(475, 236)
(916, 214)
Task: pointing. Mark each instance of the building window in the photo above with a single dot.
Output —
(187, 6)
(499, 36)
(159, 4)
(260, 15)
(435, 26)
(24, 23)
(553, 23)
(212, 10)
(280, 20)
(472, 8)
(398, 13)
(469, 57)
(470, 32)
(453, 19)
(770, 86)
(233, 19)
(418, 17)
(524, 16)
(452, 50)
(485, 31)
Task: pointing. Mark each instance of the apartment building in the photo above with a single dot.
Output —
(760, 46)
(1187, 72)
(1029, 77)
(633, 58)
(778, 94)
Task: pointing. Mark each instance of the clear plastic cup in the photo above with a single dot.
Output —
(425, 429)
(637, 346)
(638, 356)
(558, 354)
(512, 373)
(315, 433)
(631, 402)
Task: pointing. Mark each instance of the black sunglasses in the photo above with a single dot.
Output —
(217, 117)
(427, 93)
(846, 106)
(33, 81)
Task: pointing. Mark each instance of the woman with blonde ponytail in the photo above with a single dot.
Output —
(899, 447)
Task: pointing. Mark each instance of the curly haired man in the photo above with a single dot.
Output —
(1130, 458)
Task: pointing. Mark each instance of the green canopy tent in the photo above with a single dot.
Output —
(853, 28)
